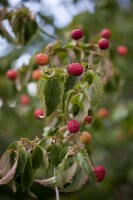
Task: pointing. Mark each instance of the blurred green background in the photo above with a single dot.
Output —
(112, 144)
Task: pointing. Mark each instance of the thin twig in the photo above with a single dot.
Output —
(49, 35)
(57, 193)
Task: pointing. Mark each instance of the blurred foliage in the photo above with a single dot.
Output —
(112, 137)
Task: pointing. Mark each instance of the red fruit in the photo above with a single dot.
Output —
(24, 100)
(42, 59)
(36, 74)
(73, 126)
(88, 119)
(100, 173)
(122, 50)
(77, 34)
(38, 113)
(85, 137)
(105, 33)
(103, 113)
(103, 43)
(75, 69)
(11, 74)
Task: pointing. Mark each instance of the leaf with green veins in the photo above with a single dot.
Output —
(56, 148)
(80, 178)
(27, 175)
(97, 90)
(22, 158)
(49, 182)
(60, 172)
(69, 173)
(13, 146)
(40, 88)
(88, 76)
(7, 170)
(71, 81)
(37, 157)
(78, 100)
(82, 159)
(53, 93)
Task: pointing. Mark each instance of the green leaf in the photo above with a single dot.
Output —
(88, 76)
(13, 146)
(7, 170)
(22, 158)
(83, 161)
(49, 182)
(78, 100)
(27, 176)
(60, 173)
(37, 157)
(97, 90)
(49, 131)
(40, 88)
(56, 148)
(78, 181)
(53, 93)
(70, 82)
(69, 173)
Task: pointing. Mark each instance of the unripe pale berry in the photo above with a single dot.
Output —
(75, 69)
(73, 126)
(105, 33)
(42, 59)
(100, 173)
(103, 43)
(88, 119)
(77, 34)
(36, 74)
(24, 100)
(85, 137)
(103, 113)
(38, 113)
(122, 50)
(11, 74)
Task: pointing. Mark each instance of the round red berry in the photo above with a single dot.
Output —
(73, 126)
(122, 50)
(105, 33)
(38, 113)
(42, 59)
(24, 100)
(103, 43)
(103, 113)
(77, 34)
(75, 69)
(88, 119)
(100, 173)
(11, 74)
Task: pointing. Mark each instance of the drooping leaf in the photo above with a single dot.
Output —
(78, 100)
(78, 181)
(13, 146)
(22, 158)
(69, 173)
(50, 182)
(40, 88)
(97, 90)
(83, 160)
(37, 157)
(56, 148)
(70, 82)
(7, 169)
(53, 93)
(27, 176)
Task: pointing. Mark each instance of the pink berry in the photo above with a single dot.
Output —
(42, 59)
(38, 113)
(88, 119)
(75, 69)
(103, 43)
(105, 33)
(122, 50)
(11, 74)
(24, 100)
(77, 34)
(100, 173)
(73, 126)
